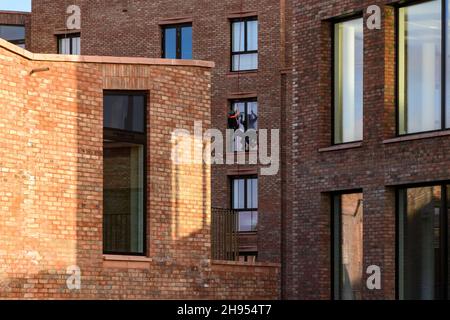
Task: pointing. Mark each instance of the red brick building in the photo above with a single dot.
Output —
(59, 144)
(359, 209)
(135, 28)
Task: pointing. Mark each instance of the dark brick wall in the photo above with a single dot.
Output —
(18, 18)
(376, 166)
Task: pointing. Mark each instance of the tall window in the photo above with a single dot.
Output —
(244, 44)
(244, 120)
(69, 44)
(348, 81)
(244, 199)
(124, 187)
(177, 42)
(423, 67)
(348, 246)
(14, 34)
(423, 242)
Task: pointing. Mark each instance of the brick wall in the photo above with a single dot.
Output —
(133, 28)
(376, 166)
(51, 190)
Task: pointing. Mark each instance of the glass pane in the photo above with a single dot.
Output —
(348, 103)
(76, 45)
(351, 246)
(252, 193)
(420, 67)
(12, 33)
(252, 35)
(252, 112)
(238, 37)
(186, 43)
(124, 112)
(255, 221)
(238, 194)
(242, 62)
(246, 221)
(64, 46)
(170, 43)
(419, 232)
(123, 198)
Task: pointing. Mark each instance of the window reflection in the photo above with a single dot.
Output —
(348, 246)
(348, 100)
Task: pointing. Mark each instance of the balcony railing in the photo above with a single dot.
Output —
(224, 235)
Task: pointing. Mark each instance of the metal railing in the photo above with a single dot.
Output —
(224, 235)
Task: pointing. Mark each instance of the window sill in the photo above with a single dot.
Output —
(232, 74)
(418, 136)
(245, 264)
(339, 147)
(126, 262)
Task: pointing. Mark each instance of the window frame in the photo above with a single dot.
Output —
(333, 22)
(333, 221)
(444, 18)
(68, 36)
(245, 178)
(177, 27)
(235, 53)
(245, 101)
(16, 42)
(443, 237)
(136, 138)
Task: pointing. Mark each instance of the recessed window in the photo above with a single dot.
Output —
(244, 44)
(69, 44)
(243, 118)
(14, 34)
(421, 105)
(348, 246)
(244, 199)
(348, 81)
(423, 241)
(124, 187)
(177, 42)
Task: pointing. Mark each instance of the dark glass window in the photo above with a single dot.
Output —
(69, 44)
(244, 44)
(348, 246)
(348, 81)
(124, 180)
(14, 34)
(246, 113)
(423, 242)
(124, 112)
(244, 199)
(423, 66)
(177, 42)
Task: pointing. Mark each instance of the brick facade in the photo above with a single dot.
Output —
(133, 28)
(51, 191)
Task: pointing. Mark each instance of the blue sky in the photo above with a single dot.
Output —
(15, 5)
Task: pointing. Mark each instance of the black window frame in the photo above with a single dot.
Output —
(68, 36)
(16, 42)
(444, 234)
(245, 101)
(444, 21)
(246, 209)
(178, 28)
(334, 224)
(353, 16)
(140, 138)
(246, 51)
